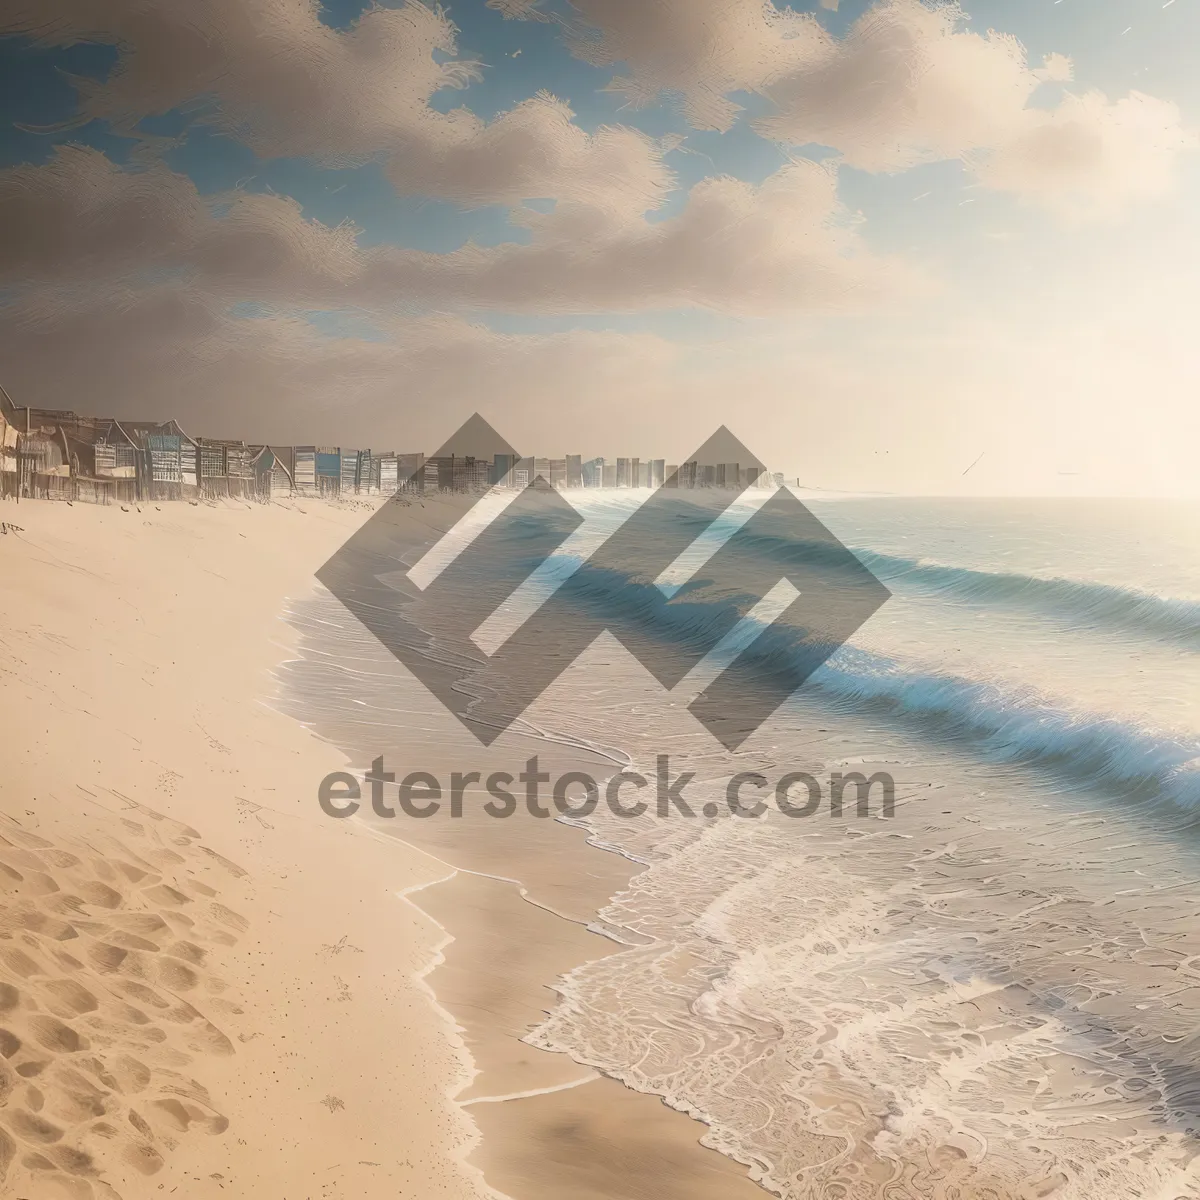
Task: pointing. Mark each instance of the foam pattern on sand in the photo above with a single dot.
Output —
(106, 997)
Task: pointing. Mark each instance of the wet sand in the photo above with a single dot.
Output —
(517, 904)
(601, 1141)
(552, 1127)
(496, 979)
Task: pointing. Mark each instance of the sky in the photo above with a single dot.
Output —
(893, 246)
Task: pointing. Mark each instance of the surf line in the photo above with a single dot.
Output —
(546, 1091)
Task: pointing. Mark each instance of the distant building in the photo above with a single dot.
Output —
(114, 457)
(328, 466)
(410, 472)
(166, 459)
(439, 473)
(593, 473)
(8, 446)
(348, 472)
(368, 473)
(305, 473)
(388, 469)
(502, 469)
(272, 478)
(43, 464)
(458, 473)
(285, 456)
(225, 468)
(56, 452)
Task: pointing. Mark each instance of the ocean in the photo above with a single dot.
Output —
(992, 990)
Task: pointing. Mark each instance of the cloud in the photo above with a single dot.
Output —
(80, 221)
(120, 287)
(697, 50)
(1056, 68)
(1089, 158)
(909, 83)
(785, 245)
(278, 378)
(279, 80)
(536, 151)
(284, 81)
(905, 85)
(701, 50)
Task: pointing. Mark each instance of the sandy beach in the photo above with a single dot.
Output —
(599, 600)
(208, 986)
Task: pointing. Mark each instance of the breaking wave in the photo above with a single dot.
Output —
(1002, 723)
(1020, 727)
(1081, 602)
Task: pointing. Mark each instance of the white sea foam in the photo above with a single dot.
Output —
(994, 995)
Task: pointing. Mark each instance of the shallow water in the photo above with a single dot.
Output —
(994, 992)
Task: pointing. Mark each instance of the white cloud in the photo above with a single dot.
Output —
(700, 50)
(1088, 157)
(786, 245)
(910, 82)
(535, 151)
(905, 85)
(1056, 68)
(285, 84)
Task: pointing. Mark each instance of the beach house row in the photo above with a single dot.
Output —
(57, 454)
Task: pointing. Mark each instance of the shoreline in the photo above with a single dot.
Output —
(519, 905)
(525, 1131)
(110, 631)
(282, 1053)
(174, 957)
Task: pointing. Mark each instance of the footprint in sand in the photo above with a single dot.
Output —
(104, 943)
